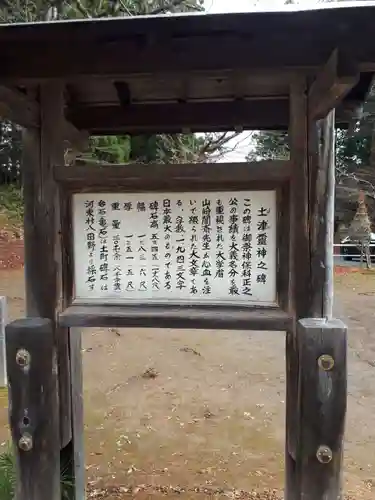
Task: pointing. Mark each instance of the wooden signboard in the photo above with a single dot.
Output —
(183, 248)
(176, 245)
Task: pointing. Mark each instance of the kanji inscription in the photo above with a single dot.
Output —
(216, 247)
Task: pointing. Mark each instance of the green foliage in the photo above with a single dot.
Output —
(10, 153)
(7, 475)
(11, 202)
(352, 150)
(111, 149)
(270, 145)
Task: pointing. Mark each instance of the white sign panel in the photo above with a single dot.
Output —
(202, 248)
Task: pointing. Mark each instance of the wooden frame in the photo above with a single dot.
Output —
(84, 87)
(273, 175)
(335, 80)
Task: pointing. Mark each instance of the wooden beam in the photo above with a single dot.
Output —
(190, 42)
(18, 107)
(175, 117)
(77, 139)
(227, 318)
(214, 116)
(169, 54)
(136, 176)
(333, 82)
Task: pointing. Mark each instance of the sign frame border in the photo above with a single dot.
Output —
(203, 177)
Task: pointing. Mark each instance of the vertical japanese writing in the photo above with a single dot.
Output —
(219, 257)
(247, 247)
(90, 243)
(129, 261)
(154, 227)
(193, 254)
(103, 242)
(116, 246)
(233, 246)
(167, 228)
(200, 247)
(142, 251)
(180, 248)
(141, 254)
(206, 246)
(263, 227)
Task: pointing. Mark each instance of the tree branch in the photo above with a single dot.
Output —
(370, 191)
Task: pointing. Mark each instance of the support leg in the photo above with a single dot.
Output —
(291, 472)
(322, 396)
(33, 408)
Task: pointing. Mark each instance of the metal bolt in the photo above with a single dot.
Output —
(326, 362)
(23, 358)
(324, 454)
(25, 442)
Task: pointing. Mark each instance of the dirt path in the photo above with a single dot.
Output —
(205, 408)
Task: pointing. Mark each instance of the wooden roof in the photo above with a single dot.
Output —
(199, 71)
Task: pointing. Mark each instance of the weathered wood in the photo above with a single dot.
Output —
(3, 322)
(283, 249)
(220, 317)
(187, 43)
(52, 153)
(334, 81)
(298, 286)
(42, 150)
(136, 176)
(17, 107)
(20, 108)
(33, 408)
(256, 114)
(322, 398)
(178, 117)
(300, 244)
(79, 471)
(322, 219)
(66, 245)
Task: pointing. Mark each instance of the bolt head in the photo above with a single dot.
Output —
(326, 362)
(23, 358)
(25, 442)
(324, 454)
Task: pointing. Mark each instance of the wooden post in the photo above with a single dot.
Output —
(33, 408)
(45, 294)
(322, 178)
(77, 444)
(299, 265)
(322, 407)
(42, 150)
(3, 322)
